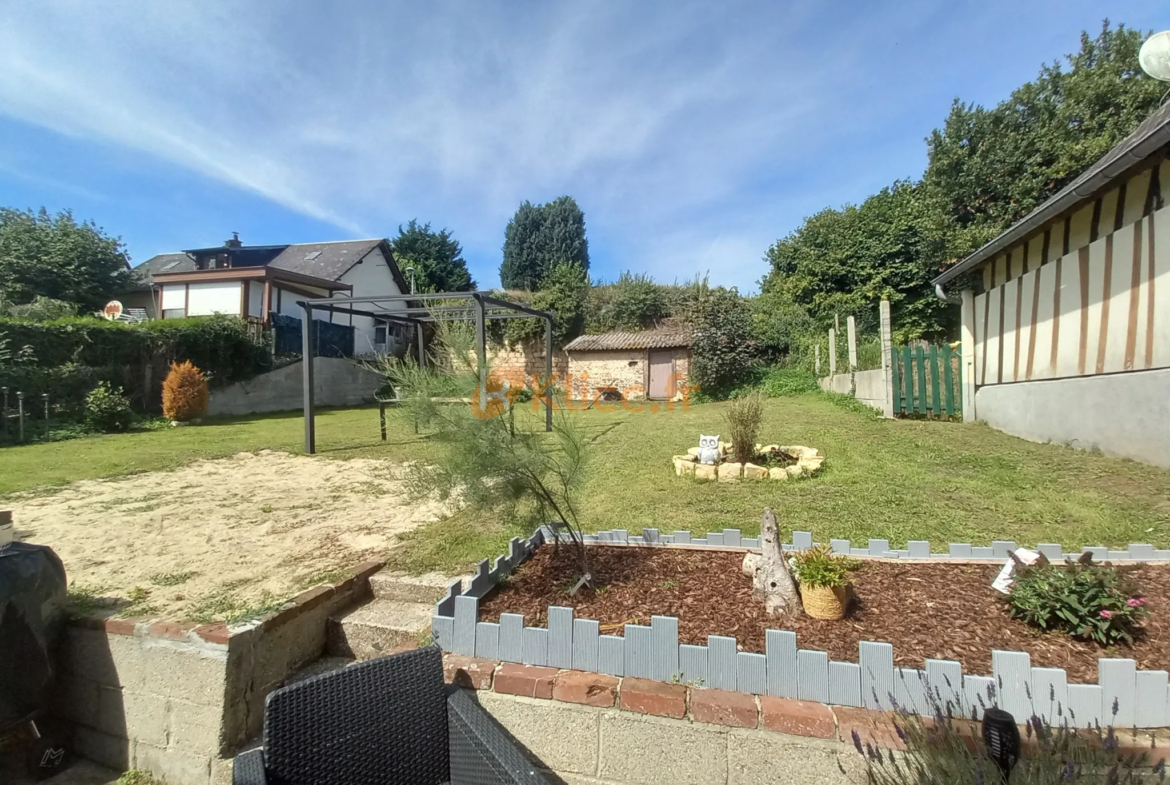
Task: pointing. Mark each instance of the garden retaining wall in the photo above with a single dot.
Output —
(592, 728)
(1123, 696)
(871, 386)
(336, 382)
(177, 700)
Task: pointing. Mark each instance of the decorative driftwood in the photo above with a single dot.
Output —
(769, 571)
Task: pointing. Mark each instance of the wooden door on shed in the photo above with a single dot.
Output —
(661, 367)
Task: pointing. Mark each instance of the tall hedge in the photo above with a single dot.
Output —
(69, 357)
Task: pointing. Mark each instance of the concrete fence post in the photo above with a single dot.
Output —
(851, 339)
(887, 355)
(817, 355)
(832, 352)
(967, 352)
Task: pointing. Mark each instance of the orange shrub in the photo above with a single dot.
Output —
(184, 393)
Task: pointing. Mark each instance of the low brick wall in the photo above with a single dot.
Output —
(177, 700)
(592, 728)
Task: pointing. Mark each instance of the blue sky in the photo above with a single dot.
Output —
(693, 135)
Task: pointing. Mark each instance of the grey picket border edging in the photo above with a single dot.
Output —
(1123, 696)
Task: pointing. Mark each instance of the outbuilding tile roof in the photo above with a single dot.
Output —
(617, 341)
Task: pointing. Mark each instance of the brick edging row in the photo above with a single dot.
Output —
(720, 707)
(219, 633)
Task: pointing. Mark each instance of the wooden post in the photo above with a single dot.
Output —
(422, 352)
(851, 339)
(832, 352)
(887, 356)
(967, 361)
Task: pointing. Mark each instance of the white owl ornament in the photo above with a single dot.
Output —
(709, 449)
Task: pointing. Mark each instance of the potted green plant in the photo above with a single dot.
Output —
(825, 589)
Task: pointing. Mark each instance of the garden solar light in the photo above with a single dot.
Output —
(1002, 738)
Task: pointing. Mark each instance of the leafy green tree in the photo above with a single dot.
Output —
(565, 292)
(842, 261)
(54, 256)
(538, 238)
(436, 256)
(991, 167)
(722, 350)
(987, 169)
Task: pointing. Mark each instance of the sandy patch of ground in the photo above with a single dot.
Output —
(219, 539)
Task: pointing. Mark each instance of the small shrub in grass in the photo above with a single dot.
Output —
(107, 410)
(743, 423)
(779, 382)
(821, 567)
(185, 393)
(1096, 602)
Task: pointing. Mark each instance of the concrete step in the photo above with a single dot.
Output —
(378, 628)
(400, 587)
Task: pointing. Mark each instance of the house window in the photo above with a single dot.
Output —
(173, 313)
(380, 334)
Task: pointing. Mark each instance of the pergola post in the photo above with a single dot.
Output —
(548, 374)
(307, 362)
(481, 351)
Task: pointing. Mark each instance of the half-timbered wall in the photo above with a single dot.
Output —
(1089, 295)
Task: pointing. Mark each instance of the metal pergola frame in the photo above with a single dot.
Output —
(483, 306)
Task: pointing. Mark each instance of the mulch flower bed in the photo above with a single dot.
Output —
(941, 611)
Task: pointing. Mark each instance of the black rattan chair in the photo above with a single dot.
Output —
(389, 721)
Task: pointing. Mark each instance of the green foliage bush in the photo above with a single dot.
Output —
(633, 302)
(1097, 602)
(722, 350)
(107, 410)
(744, 416)
(779, 382)
(41, 309)
(66, 358)
(820, 567)
(566, 288)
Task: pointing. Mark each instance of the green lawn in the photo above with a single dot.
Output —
(894, 479)
(341, 433)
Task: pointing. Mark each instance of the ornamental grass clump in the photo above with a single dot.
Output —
(1097, 602)
(185, 393)
(743, 420)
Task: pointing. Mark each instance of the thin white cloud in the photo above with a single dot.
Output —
(659, 117)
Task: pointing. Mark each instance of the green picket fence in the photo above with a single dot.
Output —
(926, 381)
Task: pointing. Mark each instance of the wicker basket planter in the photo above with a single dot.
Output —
(825, 602)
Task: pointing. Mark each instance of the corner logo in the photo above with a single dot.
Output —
(492, 402)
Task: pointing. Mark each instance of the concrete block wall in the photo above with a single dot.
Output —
(337, 382)
(143, 700)
(871, 386)
(176, 699)
(605, 730)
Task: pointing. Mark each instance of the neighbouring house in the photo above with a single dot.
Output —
(1066, 315)
(653, 364)
(257, 281)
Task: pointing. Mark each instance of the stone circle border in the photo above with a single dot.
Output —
(809, 461)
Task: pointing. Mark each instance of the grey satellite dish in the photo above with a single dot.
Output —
(1154, 56)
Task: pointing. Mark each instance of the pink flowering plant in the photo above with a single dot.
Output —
(1098, 602)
